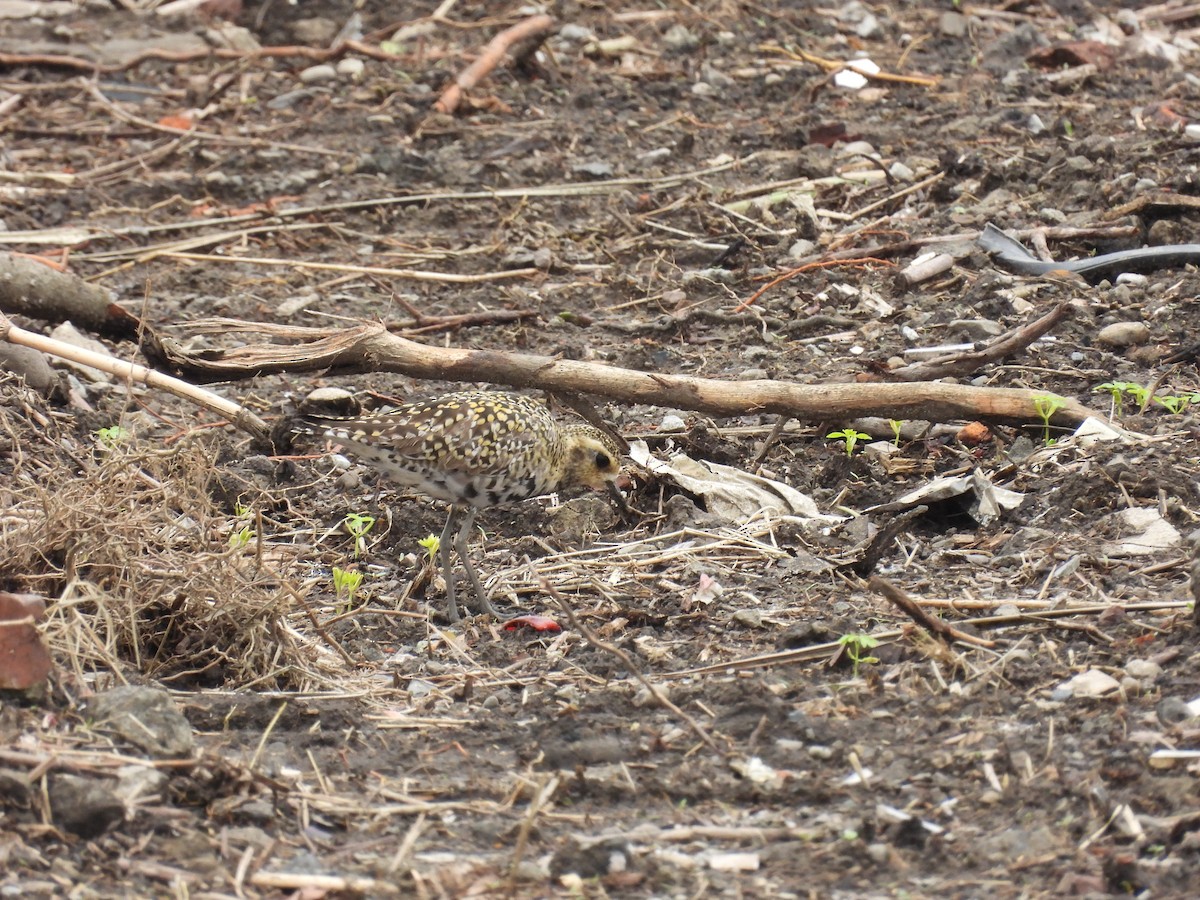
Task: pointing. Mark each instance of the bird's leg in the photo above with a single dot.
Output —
(444, 561)
(460, 544)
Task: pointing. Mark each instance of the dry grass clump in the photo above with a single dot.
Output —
(144, 572)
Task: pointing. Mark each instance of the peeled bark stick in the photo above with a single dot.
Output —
(372, 348)
(33, 289)
(499, 46)
(237, 416)
(930, 267)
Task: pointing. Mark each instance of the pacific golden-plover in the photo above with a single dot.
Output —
(475, 449)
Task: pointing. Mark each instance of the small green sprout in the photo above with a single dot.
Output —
(431, 545)
(856, 645)
(240, 538)
(359, 526)
(346, 583)
(1047, 405)
(1138, 393)
(850, 437)
(1173, 405)
(1115, 390)
(895, 424)
(110, 437)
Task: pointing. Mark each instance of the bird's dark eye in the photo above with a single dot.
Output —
(602, 461)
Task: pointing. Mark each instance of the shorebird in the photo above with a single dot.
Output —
(475, 449)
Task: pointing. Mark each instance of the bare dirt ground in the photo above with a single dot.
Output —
(615, 198)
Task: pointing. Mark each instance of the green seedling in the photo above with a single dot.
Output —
(850, 437)
(1173, 405)
(1138, 393)
(110, 437)
(431, 545)
(856, 645)
(1115, 390)
(240, 538)
(895, 424)
(346, 583)
(359, 526)
(1047, 405)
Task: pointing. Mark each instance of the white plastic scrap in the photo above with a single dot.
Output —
(986, 504)
(730, 493)
(852, 76)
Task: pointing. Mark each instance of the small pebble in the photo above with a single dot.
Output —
(1123, 334)
(879, 853)
(858, 148)
(801, 249)
(1143, 669)
(318, 74)
(351, 67)
(679, 39)
(1172, 711)
(575, 33)
(953, 24)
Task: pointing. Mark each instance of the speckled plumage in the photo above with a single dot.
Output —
(475, 449)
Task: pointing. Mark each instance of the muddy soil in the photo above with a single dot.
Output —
(619, 196)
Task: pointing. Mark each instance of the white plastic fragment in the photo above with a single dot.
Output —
(734, 862)
(729, 493)
(1090, 684)
(853, 77)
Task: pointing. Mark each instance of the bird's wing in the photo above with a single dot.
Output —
(464, 446)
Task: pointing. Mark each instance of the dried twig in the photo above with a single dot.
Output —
(410, 274)
(930, 623)
(535, 28)
(959, 364)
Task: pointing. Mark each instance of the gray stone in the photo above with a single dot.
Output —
(1123, 334)
(84, 806)
(145, 717)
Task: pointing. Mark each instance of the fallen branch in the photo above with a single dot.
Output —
(533, 29)
(237, 416)
(34, 289)
(371, 348)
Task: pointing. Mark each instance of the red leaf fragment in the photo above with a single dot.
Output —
(537, 623)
